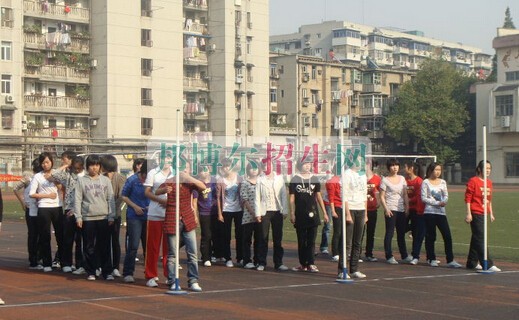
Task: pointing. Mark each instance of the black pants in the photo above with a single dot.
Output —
(250, 231)
(477, 243)
(398, 220)
(32, 238)
(353, 240)
(370, 232)
(337, 232)
(431, 222)
(96, 246)
(306, 244)
(418, 232)
(115, 230)
(46, 217)
(71, 235)
(228, 218)
(208, 225)
(274, 219)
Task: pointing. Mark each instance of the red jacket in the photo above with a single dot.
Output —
(474, 195)
(333, 187)
(187, 215)
(373, 189)
(414, 193)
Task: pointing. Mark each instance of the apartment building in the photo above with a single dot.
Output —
(497, 106)
(114, 75)
(383, 47)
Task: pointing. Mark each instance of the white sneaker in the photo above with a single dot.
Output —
(195, 287)
(433, 263)
(358, 275)
(494, 269)
(249, 265)
(335, 258)
(36, 267)
(79, 271)
(414, 262)
(152, 283)
(207, 263)
(229, 264)
(453, 264)
(109, 278)
(213, 259)
(282, 268)
(340, 276)
(2, 302)
(392, 260)
(129, 279)
(360, 260)
(260, 268)
(91, 278)
(478, 267)
(47, 269)
(66, 269)
(408, 259)
(116, 273)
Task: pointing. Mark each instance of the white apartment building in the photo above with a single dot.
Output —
(498, 110)
(383, 47)
(113, 75)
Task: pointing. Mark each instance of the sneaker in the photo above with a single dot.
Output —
(79, 271)
(98, 272)
(173, 287)
(152, 283)
(325, 251)
(129, 279)
(299, 268)
(494, 269)
(282, 268)
(67, 269)
(313, 268)
(340, 276)
(137, 260)
(453, 264)
(2, 302)
(239, 263)
(478, 267)
(195, 287)
(358, 275)
(36, 267)
(408, 259)
(249, 265)
(229, 264)
(116, 273)
(56, 264)
(433, 263)
(392, 260)
(414, 262)
(371, 259)
(207, 263)
(213, 259)
(335, 258)
(47, 269)
(109, 278)
(91, 277)
(260, 268)
(360, 260)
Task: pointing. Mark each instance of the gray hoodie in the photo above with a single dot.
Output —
(94, 199)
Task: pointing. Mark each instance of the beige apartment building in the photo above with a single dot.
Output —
(114, 75)
(498, 109)
(309, 96)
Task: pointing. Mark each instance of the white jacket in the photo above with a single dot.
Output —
(280, 194)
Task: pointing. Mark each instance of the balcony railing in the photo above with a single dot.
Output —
(69, 105)
(56, 11)
(195, 83)
(196, 4)
(57, 133)
(372, 87)
(194, 27)
(193, 56)
(41, 41)
(58, 73)
(370, 111)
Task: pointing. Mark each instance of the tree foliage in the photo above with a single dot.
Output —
(431, 110)
(509, 23)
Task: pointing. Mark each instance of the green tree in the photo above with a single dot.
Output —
(431, 110)
(509, 23)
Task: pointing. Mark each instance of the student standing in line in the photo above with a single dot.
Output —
(207, 214)
(94, 208)
(136, 218)
(435, 197)
(334, 190)
(305, 202)
(271, 209)
(416, 208)
(46, 192)
(474, 199)
(393, 195)
(229, 210)
(326, 230)
(373, 187)
(136, 167)
(30, 207)
(251, 228)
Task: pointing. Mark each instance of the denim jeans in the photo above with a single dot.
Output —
(325, 234)
(189, 238)
(399, 221)
(135, 229)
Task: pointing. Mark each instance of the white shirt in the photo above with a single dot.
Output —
(43, 186)
(356, 190)
(154, 179)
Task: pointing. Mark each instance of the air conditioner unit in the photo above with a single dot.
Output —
(239, 79)
(306, 77)
(306, 103)
(93, 122)
(212, 47)
(321, 101)
(505, 121)
(9, 99)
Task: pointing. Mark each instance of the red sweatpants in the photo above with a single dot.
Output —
(154, 236)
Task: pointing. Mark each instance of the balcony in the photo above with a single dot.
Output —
(194, 27)
(198, 5)
(57, 133)
(378, 134)
(193, 56)
(336, 96)
(356, 86)
(56, 12)
(371, 87)
(51, 104)
(40, 42)
(370, 112)
(58, 73)
(195, 84)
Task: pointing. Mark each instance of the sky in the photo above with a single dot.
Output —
(471, 22)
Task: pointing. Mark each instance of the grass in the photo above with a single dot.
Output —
(502, 234)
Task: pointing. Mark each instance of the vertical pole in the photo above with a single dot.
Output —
(485, 201)
(343, 203)
(177, 201)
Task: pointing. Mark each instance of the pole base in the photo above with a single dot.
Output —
(344, 281)
(485, 272)
(176, 292)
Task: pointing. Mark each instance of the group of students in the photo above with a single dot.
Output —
(94, 192)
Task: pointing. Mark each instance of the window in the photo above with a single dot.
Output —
(282, 93)
(273, 95)
(249, 21)
(250, 78)
(510, 76)
(146, 38)
(314, 72)
(146, 67)
(146, 126)
(287, 46)
(146, 99)
(249, 101)
(315, 121)
(6, 50)
(237, 17)
(343, 75)
(298, 45)
(315, 96)
(249, 45)
(70, 123)
(6, 17)
(7, 119)
(6, 84)
(304, 93)
(273, 70)
(505, 105)
(512, 164)
(318, 36)
(146, 8)
(53, 123)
